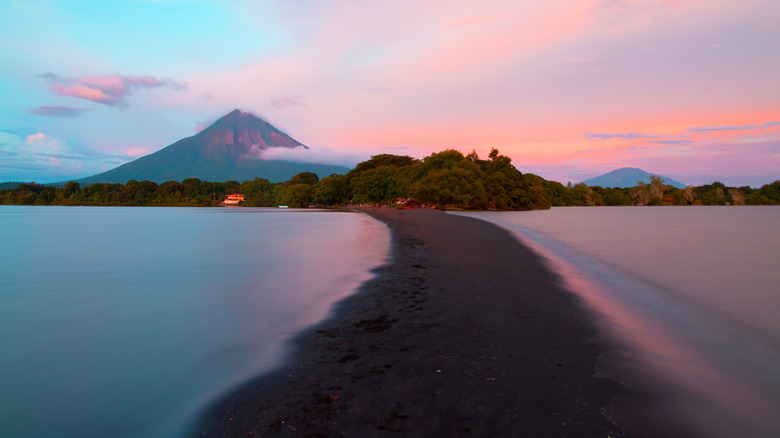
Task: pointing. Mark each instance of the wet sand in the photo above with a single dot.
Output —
(463, 333)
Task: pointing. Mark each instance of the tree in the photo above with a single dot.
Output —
(375, 185)
(617, 197)
(448, 178)
(556, 192)
(27, 198)
(686, 196)
(505, 186)
(70, 188)
(139, 193)
(258, 192)
(583, 195)
(304, 178)
(641, 194)
(496, 190)
(737, 198)
(446, 159)
(332, 190)
(771, 192)
(714, 194)
(537, 192)
(656, 187)
(296, 195)
(460, 185)
(381, 160)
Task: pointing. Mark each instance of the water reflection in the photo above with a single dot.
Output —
(705, 369)
(127, 321)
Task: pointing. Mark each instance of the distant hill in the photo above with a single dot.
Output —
(229, 149)
(628, 177)
(10, 185)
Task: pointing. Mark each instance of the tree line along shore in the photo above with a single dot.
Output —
(446, 179)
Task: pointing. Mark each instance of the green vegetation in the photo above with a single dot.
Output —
(446, 179)
(658, 193)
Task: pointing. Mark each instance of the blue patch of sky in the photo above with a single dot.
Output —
(168, 35)
(143, 37)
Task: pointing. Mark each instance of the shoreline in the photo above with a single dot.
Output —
(463, 332)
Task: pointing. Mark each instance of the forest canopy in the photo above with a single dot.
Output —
(445, 180)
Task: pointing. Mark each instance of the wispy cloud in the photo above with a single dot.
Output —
(281, 102)
(321, 155)
(46, 158)
(620, 135)
(58, 111)
(111, 89)
(34, 152)
(673, 141)
(613, 150)
(44, 143)
(734, 154)
(699, 163)
(733, 128)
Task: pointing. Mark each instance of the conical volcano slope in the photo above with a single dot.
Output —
(229, 149)
(628, 177)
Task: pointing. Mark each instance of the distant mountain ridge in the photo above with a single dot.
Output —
(229, 149)
(628, 177)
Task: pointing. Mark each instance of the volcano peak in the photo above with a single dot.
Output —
(245, 135)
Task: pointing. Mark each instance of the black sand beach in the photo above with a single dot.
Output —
(463, 333)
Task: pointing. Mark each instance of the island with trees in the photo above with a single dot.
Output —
(445, 180)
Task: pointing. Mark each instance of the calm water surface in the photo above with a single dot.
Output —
(126, 322)
(691, 294)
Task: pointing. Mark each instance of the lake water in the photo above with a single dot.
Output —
(126, 322)
(691, 295)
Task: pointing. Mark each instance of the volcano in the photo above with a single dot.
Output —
(229, 149)
(628, 177)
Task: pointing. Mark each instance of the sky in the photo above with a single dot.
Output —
(569, 89)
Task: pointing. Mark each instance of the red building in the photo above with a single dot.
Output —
(233, 199)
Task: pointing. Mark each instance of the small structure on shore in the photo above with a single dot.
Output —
(233, 200)
(399, 202)
(408, 203)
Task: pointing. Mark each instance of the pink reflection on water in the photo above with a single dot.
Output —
(685, 386)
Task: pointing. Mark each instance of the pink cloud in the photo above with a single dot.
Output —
(136, 151)
(82, 92)
(39, 136)
(112, 89)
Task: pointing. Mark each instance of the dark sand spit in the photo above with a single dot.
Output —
(464, 333)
